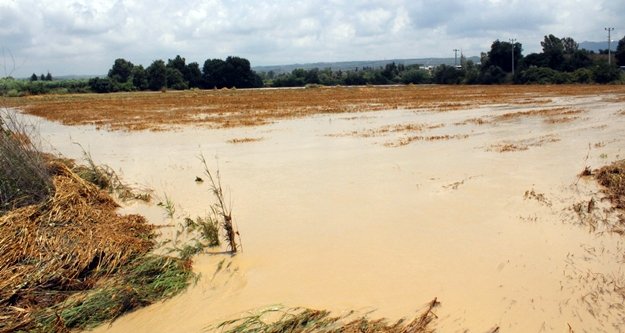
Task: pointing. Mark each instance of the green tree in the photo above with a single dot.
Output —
(175, 80)
(576, 60)
(492, 75)
(445, 74)
(553, 49)
(139, 78)
(193, 75)
(326, 77)
(157, 75)
(471, 72)
(312, 76)
(48, 77)
(535, 60)
(415, 75)
(569, 45)
(620, 52)
(212, 73)
(500, 55)
(101, 85)
(33, 77)
(238, 73)
(391, 71)
(178, 63)
(375, 76)
(354, 78)
(121, 70)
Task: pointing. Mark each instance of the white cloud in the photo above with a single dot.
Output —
(84, 37)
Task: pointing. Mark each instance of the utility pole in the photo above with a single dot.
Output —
(609, 30)
(456, 57)
(512, 42)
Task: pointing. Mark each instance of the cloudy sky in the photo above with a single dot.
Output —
(84, 37)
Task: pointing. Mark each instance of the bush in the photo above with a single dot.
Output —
(24, 177)
(540, 75)
(605, 73)
(582, 75)
(444, 74)
(415, 76)
(99, 85)
(492, 75)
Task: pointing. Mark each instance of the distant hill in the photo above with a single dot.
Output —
(76, 77)
(351, 65)
(596, 46)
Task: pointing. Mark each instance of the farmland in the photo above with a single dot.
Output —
(375, 198)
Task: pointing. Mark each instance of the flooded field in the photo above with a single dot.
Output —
(377, 203)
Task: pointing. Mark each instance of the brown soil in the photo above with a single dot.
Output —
(228, 108)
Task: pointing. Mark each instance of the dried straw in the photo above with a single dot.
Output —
(62, 245)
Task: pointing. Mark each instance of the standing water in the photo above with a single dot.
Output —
(361, 212)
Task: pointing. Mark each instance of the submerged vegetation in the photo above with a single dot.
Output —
(221, 212)
(141, 282)
(299, 320)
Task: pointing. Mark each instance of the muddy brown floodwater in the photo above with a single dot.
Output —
(386, 210)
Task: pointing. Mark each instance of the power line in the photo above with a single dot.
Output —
(609, 30)
(512, 42)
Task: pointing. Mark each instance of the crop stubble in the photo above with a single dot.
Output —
(232, 108)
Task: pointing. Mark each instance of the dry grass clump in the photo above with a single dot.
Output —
(540, 197)
(308, 321)
(591, 213)
(62, 245)
(105, 178)
(507, 147)
(407, 140)
(473, 121)
(24, 177)
(612, 178)
(521, 145)
(244, 140)
(551, 115)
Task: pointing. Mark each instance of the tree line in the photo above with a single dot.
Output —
(561, 61)
(47, 77)
(178, 75)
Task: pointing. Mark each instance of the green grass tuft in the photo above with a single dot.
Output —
(146, 280)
